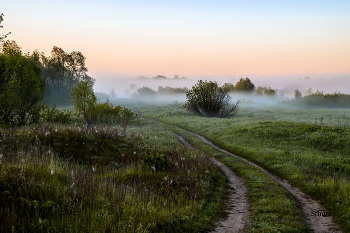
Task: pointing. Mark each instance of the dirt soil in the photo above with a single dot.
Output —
(318, 224)
(238, 204)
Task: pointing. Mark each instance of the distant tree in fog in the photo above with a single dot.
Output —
(244, 85)
(265, 91)
(132, 86)
(144, 92)
(112, 94)
(228, 86)
(309, 91)
(297, 94)
(160, 77)
(171, 90)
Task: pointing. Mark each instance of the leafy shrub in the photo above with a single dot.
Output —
(108, 114)
(158, 162)
(85, 104)
(54, 115)
(208, 99)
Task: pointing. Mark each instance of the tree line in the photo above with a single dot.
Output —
(244, 85)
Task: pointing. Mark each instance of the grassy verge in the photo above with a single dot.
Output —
(56, 178)
(313, 157)
(273, 209)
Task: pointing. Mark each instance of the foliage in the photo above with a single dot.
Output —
(21, 87)
(210, 100)
(158, 162)
(85, 103)
(297, 94)
(54, 115)
(84, 100)
(228, 86)
(244, 85)
(265, 91)
(319, 100)
(61, 72)
(171, 90)
(144, 93)
(2, 37)
(104, 113)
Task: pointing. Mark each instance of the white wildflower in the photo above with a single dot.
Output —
(93, 168)
(153, 168)
(40, 220)
(165, 178)
(52, 171)
(72, 185)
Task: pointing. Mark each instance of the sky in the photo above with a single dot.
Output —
(129, 38)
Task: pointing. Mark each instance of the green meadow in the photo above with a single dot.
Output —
(307, 147)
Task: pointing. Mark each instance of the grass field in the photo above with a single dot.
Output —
(311, 154)
(140, 178)
(56, 178)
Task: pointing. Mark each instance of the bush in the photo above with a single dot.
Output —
(208, 99)
(158, 162)
(107, 114)
(54, 115)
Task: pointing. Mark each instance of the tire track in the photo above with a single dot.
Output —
(319, 224)
(238, 203)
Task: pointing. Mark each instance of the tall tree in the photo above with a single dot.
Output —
(244, 84)
(62, 71)
(2, 37)
(21, 87)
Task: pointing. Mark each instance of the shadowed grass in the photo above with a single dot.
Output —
(56, 178)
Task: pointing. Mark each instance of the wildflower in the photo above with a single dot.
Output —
(52, 171)
(56, 130)
(72, 185)
(165, 178)
(134, 152)
(153, 168)
(40, 220)
(93, 168)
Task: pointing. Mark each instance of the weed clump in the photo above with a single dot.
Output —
(158, 162)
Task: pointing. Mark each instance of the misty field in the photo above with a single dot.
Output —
(140, 178)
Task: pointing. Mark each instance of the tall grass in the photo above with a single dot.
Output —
(56, 178)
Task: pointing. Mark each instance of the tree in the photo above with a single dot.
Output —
(2, 37)
(208, 99)
(84, 100)
(21, 87)
(112, 94)
(144, 92)
(229, 87)
(245, 85)
(297, 94)
(62, 71)
(309, 91)
(265, 91)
